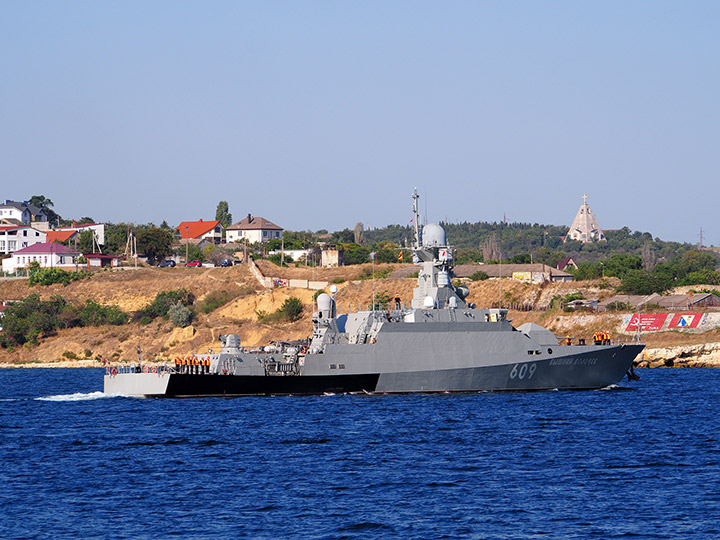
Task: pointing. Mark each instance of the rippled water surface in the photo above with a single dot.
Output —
(641, 460)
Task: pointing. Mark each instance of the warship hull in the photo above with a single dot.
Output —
(592, 368)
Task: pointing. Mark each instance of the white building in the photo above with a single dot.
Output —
(585, 227)
(47, 255)
(23, 212)
(253, 229)
(15, 237)
(98, 229)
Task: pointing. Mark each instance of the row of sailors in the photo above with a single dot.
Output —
(192, 365)
(601, 338)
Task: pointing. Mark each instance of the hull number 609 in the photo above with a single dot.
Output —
(523, 371)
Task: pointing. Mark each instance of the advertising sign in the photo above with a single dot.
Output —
(685, 320)
(649, 322)
(522, 276)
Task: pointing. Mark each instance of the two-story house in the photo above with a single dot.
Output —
(14, 212)
(253, 229)
(14, 237)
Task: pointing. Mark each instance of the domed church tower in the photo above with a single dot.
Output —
(585, 227)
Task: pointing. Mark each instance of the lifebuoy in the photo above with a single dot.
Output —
(113, 371)
(146, 369)
(154, 369)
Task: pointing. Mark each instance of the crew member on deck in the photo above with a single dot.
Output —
(397, 302)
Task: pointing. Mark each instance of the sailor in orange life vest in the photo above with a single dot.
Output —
(397, 301)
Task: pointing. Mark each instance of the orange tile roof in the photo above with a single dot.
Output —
(195, 229)
(59, 236)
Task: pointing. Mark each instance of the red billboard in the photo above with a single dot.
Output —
(649, 322)
(685, 320)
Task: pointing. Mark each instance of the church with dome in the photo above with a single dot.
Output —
(585, 227)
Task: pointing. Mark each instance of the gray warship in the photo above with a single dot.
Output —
(441, 343)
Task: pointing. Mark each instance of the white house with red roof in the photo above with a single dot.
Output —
(47, 255)
(201, 230)
(253, 229)
(14, 237)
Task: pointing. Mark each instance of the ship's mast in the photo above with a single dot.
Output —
(416, 219)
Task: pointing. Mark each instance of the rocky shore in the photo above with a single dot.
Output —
(699, 355)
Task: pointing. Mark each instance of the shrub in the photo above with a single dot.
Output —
(162, 303)
(48, 276)
(219, 298)
(29, 319)
(290, 311)
(180, 315)
(479, 276)
(93, 314)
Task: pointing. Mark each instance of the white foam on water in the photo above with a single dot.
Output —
(76, 397)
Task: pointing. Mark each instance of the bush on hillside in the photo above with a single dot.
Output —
(162, 303)
(180, 315)
(479, 276)
(48, 276)
(290, 311)
(30, 319)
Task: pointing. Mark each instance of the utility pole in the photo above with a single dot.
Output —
(187, 242)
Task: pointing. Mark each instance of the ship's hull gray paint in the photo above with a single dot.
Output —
(583, 368)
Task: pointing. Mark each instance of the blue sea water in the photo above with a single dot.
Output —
(640, 460)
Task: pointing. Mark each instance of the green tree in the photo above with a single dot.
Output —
(85, 242)
(223, 215)
(638, 281)
(154, 243)
(46, 204)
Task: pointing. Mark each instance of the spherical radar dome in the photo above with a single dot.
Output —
(324, 302)
(433, 235)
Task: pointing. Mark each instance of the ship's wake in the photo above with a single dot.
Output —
(78, 396)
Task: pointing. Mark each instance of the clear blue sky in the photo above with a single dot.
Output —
(322, 114)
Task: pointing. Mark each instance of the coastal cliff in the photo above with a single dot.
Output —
(698, 355)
